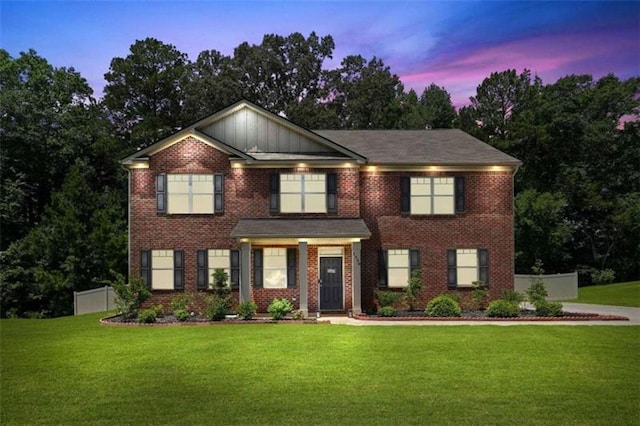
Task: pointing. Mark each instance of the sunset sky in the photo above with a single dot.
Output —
(455, 44)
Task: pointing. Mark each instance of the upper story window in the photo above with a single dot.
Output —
(190, 193)
(303, 193)
(432, 195)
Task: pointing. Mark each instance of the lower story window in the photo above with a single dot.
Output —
(466, 266)
(162, 269)
(396, 266)
(275, 268)
(218, 259)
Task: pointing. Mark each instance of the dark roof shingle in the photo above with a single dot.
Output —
(413, 147)
(301, 228)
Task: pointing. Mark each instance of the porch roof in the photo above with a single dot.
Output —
(301, 228)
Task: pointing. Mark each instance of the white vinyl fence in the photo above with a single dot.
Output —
(559, 286)
(95, 300)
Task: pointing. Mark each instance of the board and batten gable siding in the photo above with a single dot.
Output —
(248, 130)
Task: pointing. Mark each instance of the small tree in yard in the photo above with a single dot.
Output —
(129, 296)
(537, 295)
(219, 303)
(413, 289)
(479, 295)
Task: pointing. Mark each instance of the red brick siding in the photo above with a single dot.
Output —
(486, 223)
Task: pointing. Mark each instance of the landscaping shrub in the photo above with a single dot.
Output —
(179, 302)
(413, 289)
(216, 308)
(297, 315)
(279, 308)
(503, 309)
(147, 316)
(159, 310)
(536, 292)
(544, 308)
(129, 296)
(479, 295)
(247, 310)
(181, 314)
(513, 296)
(604, 276)
(387, 311)
(443, 306)
(388, 298)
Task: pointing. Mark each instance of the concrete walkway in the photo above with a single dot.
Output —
(632, 313)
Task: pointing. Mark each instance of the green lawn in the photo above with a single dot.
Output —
(72, 370)
(624, 294)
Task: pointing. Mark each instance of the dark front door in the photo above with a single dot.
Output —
(330, 283)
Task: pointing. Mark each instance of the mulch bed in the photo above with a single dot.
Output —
(525, 315)
(170, 320)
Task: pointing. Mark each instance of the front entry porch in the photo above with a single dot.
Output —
(323, 276)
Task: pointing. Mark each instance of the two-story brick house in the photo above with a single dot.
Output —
(323, 218)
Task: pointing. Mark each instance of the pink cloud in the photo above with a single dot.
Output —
(548, 56)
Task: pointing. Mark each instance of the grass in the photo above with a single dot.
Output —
(74, 371)
(624, 294)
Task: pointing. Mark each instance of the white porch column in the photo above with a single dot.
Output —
(302, 273)
(356, 257)
(245, 272)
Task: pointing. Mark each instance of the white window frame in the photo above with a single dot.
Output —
(432, 195)
(466, 262)
(305, 193)
(193, 182)
(159, 268)
(274, 267)
(398, 263)
(219, 259)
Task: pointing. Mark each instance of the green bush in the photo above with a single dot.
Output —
(388, 298)
(159, 310)
(387, 311)
(129, 296)
(503, 309)
(279, 308)
(443, 306)
(536, 292)
(247, 310)
(544, 308)
(479, 295)
(147, 316)
(513, 296)
(604, 276)
(297, 315)
(179, 302)
(181, 314)
(413, 288)
(216, 308)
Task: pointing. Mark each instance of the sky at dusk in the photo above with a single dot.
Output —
(454, 44)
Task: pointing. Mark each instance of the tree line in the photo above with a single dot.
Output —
(63, 194)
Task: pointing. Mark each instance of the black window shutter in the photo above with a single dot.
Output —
(161, 193)
(332, 191)
(383, 278)
(203, 270)
(405, 194)
(178, 269)
(459, 191)
(218, 193)
(291, 267)
(414, 260)
(145, 267)
(483, 266)
(235, 269)
(257, 268)
(452, 273)
(274, 191)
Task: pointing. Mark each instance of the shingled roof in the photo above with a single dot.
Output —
(301, 228)
(413, 147)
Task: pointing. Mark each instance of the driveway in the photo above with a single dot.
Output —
(632, 313)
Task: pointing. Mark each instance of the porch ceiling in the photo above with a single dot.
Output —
(305, 228)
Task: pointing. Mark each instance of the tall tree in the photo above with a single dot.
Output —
(47, 119)
(439, 110)
(145, 92)
(362, 93)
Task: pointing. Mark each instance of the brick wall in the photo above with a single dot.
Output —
(486, 223)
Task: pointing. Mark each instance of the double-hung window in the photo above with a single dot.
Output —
(274, 267)
(432, 195)
(190, 193)
(303, 193)
(466, 266)
(396, 265)
(210, 260)
(162, 269)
